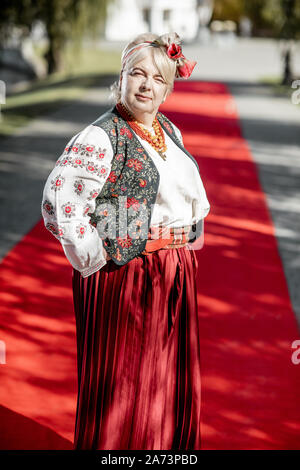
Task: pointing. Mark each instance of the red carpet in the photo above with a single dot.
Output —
(250, 386)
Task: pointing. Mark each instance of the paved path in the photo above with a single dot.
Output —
(271, 125)
(246, 60)
(26, 159)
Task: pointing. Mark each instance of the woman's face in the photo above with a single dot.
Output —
(143, 88)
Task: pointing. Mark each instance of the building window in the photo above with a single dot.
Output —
(146, 15)
(166, 15)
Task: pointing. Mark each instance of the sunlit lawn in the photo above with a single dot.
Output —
(79, 72)
(275, 83)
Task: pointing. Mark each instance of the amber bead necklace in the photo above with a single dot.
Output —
(157, 141)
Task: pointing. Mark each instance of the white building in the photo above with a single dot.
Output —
(127, 18)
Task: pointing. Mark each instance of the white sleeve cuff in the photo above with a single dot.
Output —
(93, 269)
(87, 256)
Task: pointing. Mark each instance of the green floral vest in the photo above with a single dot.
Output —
(125, 204)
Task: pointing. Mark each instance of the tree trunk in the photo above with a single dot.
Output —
(53, 56)
(287, 74)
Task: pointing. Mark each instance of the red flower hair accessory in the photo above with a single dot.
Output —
(184, 66)
(174, 51)
(185, 70)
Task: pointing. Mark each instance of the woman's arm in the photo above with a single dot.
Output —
(69, 196)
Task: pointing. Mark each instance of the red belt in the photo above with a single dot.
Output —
(166, 237)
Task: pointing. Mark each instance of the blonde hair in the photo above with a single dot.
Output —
(165, 65)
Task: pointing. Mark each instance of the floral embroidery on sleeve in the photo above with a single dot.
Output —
(79, 186)
(69, 197)
(48, 207)
(68, 209)
(57, 183)
(81, 229)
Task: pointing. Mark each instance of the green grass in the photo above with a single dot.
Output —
(80, 71)
(278, 88)
(92, 61)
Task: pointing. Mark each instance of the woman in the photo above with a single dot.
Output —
(127, 203)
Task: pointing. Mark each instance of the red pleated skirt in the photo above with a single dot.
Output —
(138, 354)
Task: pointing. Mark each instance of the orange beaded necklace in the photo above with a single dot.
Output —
(157, 141)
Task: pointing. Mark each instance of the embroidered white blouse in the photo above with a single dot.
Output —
(78, 177)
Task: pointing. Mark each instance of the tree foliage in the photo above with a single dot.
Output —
(63, 19)
(276, 18)
(285, 17)
(228, 10)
